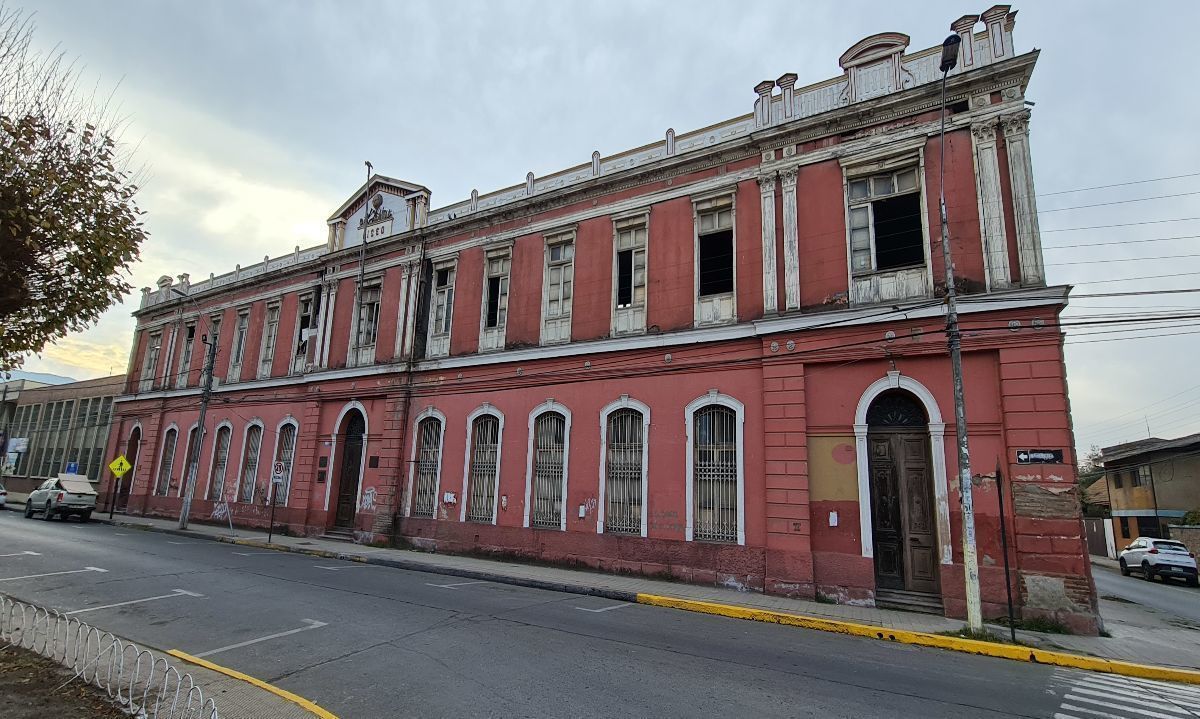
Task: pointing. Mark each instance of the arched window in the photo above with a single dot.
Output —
(429, 451)
(189, 450)
(216, 476)
(285, 452)
(250, 452)
(549, 460)
(715, 474)
(484, 468)
(165, 465)
(623, 454)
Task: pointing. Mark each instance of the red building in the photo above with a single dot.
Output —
(720, 356)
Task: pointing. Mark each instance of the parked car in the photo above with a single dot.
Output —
(3, 497)
(1159, 557)
(62, 496)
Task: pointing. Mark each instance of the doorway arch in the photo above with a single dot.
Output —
(351, 435)
(125, 484)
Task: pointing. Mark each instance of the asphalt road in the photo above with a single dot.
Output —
(1170, 596)
(366, 641)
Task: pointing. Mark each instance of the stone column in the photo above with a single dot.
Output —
(991, 205)
(791, 242)
(766, 186)
(1020, 174)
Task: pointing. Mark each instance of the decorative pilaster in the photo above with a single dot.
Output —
(1020, 174)
(991, 206)
(791, 242)
(766, 186)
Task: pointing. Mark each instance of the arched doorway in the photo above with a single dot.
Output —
(125, 484)
(903, 513)
(354, 428)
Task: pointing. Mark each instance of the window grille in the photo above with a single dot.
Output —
(250, 463)
(286, 453)
(216, 480)
(548, 465)
(163, 485)
(485, 446)
(715, 463)
(623, 467)
(428, 455)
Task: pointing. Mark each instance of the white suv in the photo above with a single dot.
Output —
(1162, 557)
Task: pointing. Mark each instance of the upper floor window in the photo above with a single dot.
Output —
(629, 274)
(716, 281)
(886, 232)
(239, 344)
(558, 287)
(185, 354)
(1141, 476)
(441, 312)
(1116, 475)
(266, 355)
(150, 364)
(498, 265)
(214, 323)
(367, 324)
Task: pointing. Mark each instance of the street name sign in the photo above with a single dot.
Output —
(1039, 456)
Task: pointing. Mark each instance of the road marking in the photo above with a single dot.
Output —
(21, 554)
(175, 593)
(452, 586)
(605, 609)
(170, 542)
(338, 569)
(121, 534)
(252, 554)
(1105, 696)
(311, 624)
(54, 574)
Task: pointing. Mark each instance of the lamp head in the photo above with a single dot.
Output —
(950, 53)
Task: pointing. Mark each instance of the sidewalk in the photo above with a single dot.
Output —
(1139, 634)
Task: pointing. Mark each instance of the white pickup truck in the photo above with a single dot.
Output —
(63, 496)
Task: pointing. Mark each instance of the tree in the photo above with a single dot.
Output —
(1092, 467)
(69, 226)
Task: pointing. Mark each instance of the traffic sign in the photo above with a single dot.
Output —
(72, 468)
(1039, 456)
(120, 466)
(277, 472)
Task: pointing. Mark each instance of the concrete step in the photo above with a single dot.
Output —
(339, 535)
(908, 601)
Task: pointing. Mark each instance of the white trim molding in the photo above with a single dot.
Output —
(937, 447)
(548, 406)
(715, 397)
(337, 426)
(625, 402)
(425, 414)
(481, 410)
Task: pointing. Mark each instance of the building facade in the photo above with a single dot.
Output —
(719, 357)
(60, 428)
(1152, 484)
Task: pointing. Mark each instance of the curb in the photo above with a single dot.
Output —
(281, 693)
(733, 611)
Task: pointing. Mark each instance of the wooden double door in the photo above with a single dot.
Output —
(902, 510)
(350, 472)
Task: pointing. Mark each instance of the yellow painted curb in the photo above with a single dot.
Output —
(970, 646)
(282, 693)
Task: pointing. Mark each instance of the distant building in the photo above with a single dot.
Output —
(720, 356)
(59, 426)
(10, 393)
(1152, 483)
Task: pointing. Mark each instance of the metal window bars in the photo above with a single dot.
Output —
(714, 468)
(287, 451)
(428, 452)
(548, 465)
(216, 480)
(141, 682)
(163, 485)
(485, 436)
(623, 472)
(250, 463)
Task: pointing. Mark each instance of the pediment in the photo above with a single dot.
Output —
(874, 47)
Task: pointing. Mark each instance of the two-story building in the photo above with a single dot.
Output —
(720, 356)
(1152, 484)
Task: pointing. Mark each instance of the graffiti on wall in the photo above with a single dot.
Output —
(368, 500)
(220, 510)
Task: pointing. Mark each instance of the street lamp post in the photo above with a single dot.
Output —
(954, 340)
(210, 359)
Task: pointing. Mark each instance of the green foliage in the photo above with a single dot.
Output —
(1192, 518)
(69, 226)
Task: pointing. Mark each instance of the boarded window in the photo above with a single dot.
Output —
(485, 449)
(623, 472)
(715, 462)
(429, 450)
(548, 470)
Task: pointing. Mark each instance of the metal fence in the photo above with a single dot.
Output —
(141, 682)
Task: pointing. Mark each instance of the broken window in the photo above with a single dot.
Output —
(185, 354)
(886, 231)
(715, 247)
(153, 347)
(443, 308)
(368, 316)
(631, 266)
(497, 291)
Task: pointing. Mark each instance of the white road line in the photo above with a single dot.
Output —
(253, 554)
(22, 554)
(452, 586)
(54, 574)
(1150, 702)
(338, 569)
(170, 542)
(604, 609)
(175, 593)
(311, 624)
(121, 534)
(1109, 705)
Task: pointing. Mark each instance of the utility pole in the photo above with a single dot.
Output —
(362, 264)
(210, 361)
(954, 340)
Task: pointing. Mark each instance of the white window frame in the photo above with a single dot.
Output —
(557, 329)
(492, 338)
(548, 406)
(270, 339)
(484, 409)
(437, 343)
(287, 478)
(212, 462)
(187, 458)
(717, 309)
(624, 402)
(237, 350)
(162, 457)
(631, 319)
(237, 496)
(154, 339)
(689, 412)
(215, 321)
(185, 353)
(366, 350)
(298, 361)
(427, 413)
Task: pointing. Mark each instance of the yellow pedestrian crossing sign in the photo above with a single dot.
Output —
(120, 466)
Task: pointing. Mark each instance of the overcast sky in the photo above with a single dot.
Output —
(254, 119)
